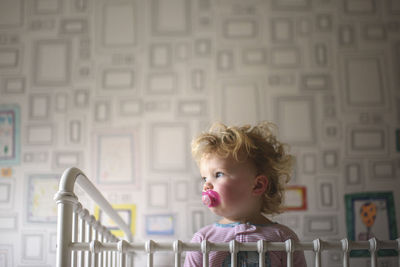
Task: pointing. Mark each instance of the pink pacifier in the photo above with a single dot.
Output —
(210, 198)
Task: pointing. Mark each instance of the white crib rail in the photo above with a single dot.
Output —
(83, 241)
(289, 246)
(68, 209)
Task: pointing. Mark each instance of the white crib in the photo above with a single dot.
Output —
(83, 241)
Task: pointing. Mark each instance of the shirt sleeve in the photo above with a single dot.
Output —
(194, 258)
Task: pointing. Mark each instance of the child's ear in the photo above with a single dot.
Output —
(260, 184)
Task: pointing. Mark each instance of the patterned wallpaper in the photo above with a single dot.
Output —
(119, 88)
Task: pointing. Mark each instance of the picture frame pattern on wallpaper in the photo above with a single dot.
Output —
(33, 247)
(374, 211)
(157, 195)
(116, 160)
(8, 222)
(7, 194)
(6, 254)
(9, 134)
(166, 155)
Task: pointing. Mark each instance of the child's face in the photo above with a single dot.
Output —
(234, 182)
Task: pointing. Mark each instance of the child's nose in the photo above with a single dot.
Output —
(207, 186)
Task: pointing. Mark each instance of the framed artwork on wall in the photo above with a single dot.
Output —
(369, 215)
(127, 213)
(160, 224)
(9, 134)
(41, 208)
(295, 198)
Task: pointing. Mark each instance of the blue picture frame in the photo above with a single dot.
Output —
(10, 135)
(160, 224)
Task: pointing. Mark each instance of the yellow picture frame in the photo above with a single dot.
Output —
(126, 211)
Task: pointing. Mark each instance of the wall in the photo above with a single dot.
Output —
(118, 89)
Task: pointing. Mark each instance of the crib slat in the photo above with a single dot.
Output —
(149, 247)
(233, 249)
(372, 249)
(89, 238)
(261, 248)
(317, 250)
(75, 234)
(106, 253)
(82, 235)
(289, 252)
(345, 249)
(122, 258)
(122, 248)
(95, 255)
(100, 256)
(205, 249)
(177, 247)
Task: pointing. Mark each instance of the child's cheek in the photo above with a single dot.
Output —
(227, 193)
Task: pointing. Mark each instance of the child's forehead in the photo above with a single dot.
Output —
(215, 158)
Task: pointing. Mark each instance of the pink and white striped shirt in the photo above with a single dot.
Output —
(217, 233)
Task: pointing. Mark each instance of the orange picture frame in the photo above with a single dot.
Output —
(295, 198)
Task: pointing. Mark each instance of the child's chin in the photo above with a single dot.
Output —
(216, 211)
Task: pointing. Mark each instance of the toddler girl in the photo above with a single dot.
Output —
(244, 171)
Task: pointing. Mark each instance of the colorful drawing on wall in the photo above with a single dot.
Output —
(6, 172)
(295, 198)
(116, 157)
(41, 206)
(127, 213)
(160, 224)
(368, 215)
(9, 134)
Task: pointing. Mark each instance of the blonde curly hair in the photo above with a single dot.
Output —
(255, 143)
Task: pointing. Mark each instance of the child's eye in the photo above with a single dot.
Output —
(219, 174)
